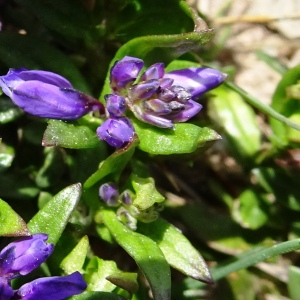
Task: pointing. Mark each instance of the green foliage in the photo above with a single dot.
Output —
(54, 216)
(11, 223)
(229, 179)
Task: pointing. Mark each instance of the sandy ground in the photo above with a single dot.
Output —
(270, 27)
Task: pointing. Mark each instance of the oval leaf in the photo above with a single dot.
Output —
(69, 135)
(184, 138)
(75, 259)
(53, 217)
(285, 104)
(243, 133)
(177, 249)
(145, 252)
(11, 223)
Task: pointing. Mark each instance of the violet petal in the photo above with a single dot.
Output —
(49, 101)
(156, 120)
(197, 80)
(28, 253)
(144, 90)
(191, 109)
(6, 292)
(108, 192)
(115, 105)
(124, 71)
(116, 131)
(44, 76)
(155, 71)
(50, 288)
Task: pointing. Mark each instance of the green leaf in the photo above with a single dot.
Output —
(254, 256)
(115, 163)
(97, 296)
(285, 105)
(125, 280)
(146, 193)
(96, 273)
(53, 217)
(252, 210)
(250, 258)
(69, 135)
(75, 259)
(293, 283)
(184, 138)
(269, 111)
(144, 251)
(18, 50)
(243, 133)
(177, 249)
(293, 91)
(104, 275)
(11, 223)
(155, 48)
(271, 61)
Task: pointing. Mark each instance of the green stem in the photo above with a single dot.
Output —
(261, 106)
(254, 258)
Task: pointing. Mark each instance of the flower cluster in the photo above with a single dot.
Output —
(23, 256)
(155, 97)
(127, 212)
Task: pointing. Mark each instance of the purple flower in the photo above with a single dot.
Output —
(24, 255)
(161, 98)
(50, 288)
(6, 291)
(48, 95)
(125, 71)
(197, 81)
(115, 105)
(116, 131)
(108, 192)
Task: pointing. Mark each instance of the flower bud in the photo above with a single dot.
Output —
(165, 83)
(125, 71)
(50, 288)
(197, 80)
(115, 105)
(158, 121)
(144, 90)
(117, 132)
(126, 198)
(6, 291)
(47, 95)
(157, 107)
(190, 110)
(155, 71)
(108, 192)
(24, 255)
